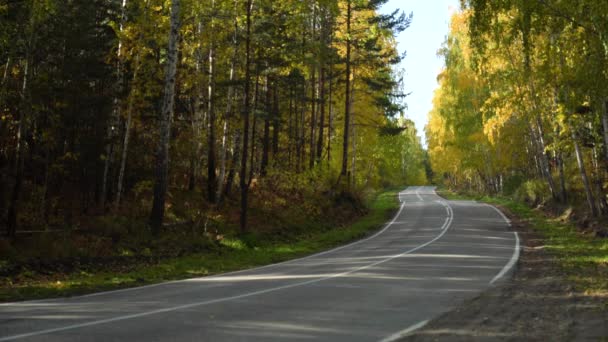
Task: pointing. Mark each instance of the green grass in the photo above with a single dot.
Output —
(583, 258)
(233, 254)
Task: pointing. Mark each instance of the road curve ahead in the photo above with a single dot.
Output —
(430, 257)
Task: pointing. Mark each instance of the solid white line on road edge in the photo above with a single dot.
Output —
(444, 229)
(405, 332)
(504, 217)
(515, 255)
(511, 262)
(33, 302)
(271, 265)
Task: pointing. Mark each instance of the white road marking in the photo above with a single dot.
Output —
(515, 255)
(418, 194)
(24, 303)
(511, 262)
(444, 229)
(504, 217)
(398, 335)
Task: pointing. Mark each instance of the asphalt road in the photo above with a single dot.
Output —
(433, 255)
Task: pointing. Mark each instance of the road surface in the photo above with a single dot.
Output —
(430, 257)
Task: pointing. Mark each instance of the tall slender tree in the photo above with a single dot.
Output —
(162, 157)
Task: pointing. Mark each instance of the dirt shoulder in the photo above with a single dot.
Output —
(538, 303)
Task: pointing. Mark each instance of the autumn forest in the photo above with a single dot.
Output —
(115, 106)
(522, 104)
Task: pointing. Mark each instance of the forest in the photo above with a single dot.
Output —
(141, 128)
(522, 106)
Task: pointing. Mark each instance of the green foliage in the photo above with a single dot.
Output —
(512, 183)
(523, 93)
(533, 192)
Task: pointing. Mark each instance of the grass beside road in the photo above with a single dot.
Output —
(231, 254)
(583, 258)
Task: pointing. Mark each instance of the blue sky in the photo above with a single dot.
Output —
(421, 41)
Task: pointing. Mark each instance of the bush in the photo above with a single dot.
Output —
(7, 251)
(533, 192)
(511, 184)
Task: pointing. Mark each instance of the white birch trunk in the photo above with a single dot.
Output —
(115, 118)
(227, 112)
(583, 172)
(162, 158)
(125, 144)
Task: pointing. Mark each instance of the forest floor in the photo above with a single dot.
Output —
(124, 254)
(558, 291)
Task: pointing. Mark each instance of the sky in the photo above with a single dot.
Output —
(421, 41)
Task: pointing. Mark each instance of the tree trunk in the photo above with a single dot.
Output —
(228, 111)
(560, 168)
(297, 114)
(116, 112)
(290, 127)
(162, 158)
(234, 163)
(243, 174)
(597, 180)
(313, 116)
(211, 175)
(13, 208)
(276, 122)
(605, 131)
(266, 137)
(125, 144)
(3, 96)
(222, 163)
(198, 118)
(330, 119)
(583, 172)
(321, 113)
(562, 178)
(302, 106)
(545, 158)
(353, 139)
(24, 109)
(537, 135)
(344, 170)
(7, 66)
(252, 153)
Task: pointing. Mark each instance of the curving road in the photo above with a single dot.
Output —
(433, 255)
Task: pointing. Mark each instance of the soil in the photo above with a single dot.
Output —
(536, 304)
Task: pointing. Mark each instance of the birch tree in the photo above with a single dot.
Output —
(162, 158)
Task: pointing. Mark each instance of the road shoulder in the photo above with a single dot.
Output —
(537, 303)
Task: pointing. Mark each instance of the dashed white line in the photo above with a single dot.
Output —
(418, 194)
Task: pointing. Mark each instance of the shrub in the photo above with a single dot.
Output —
(511, 184)
(533, 192)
